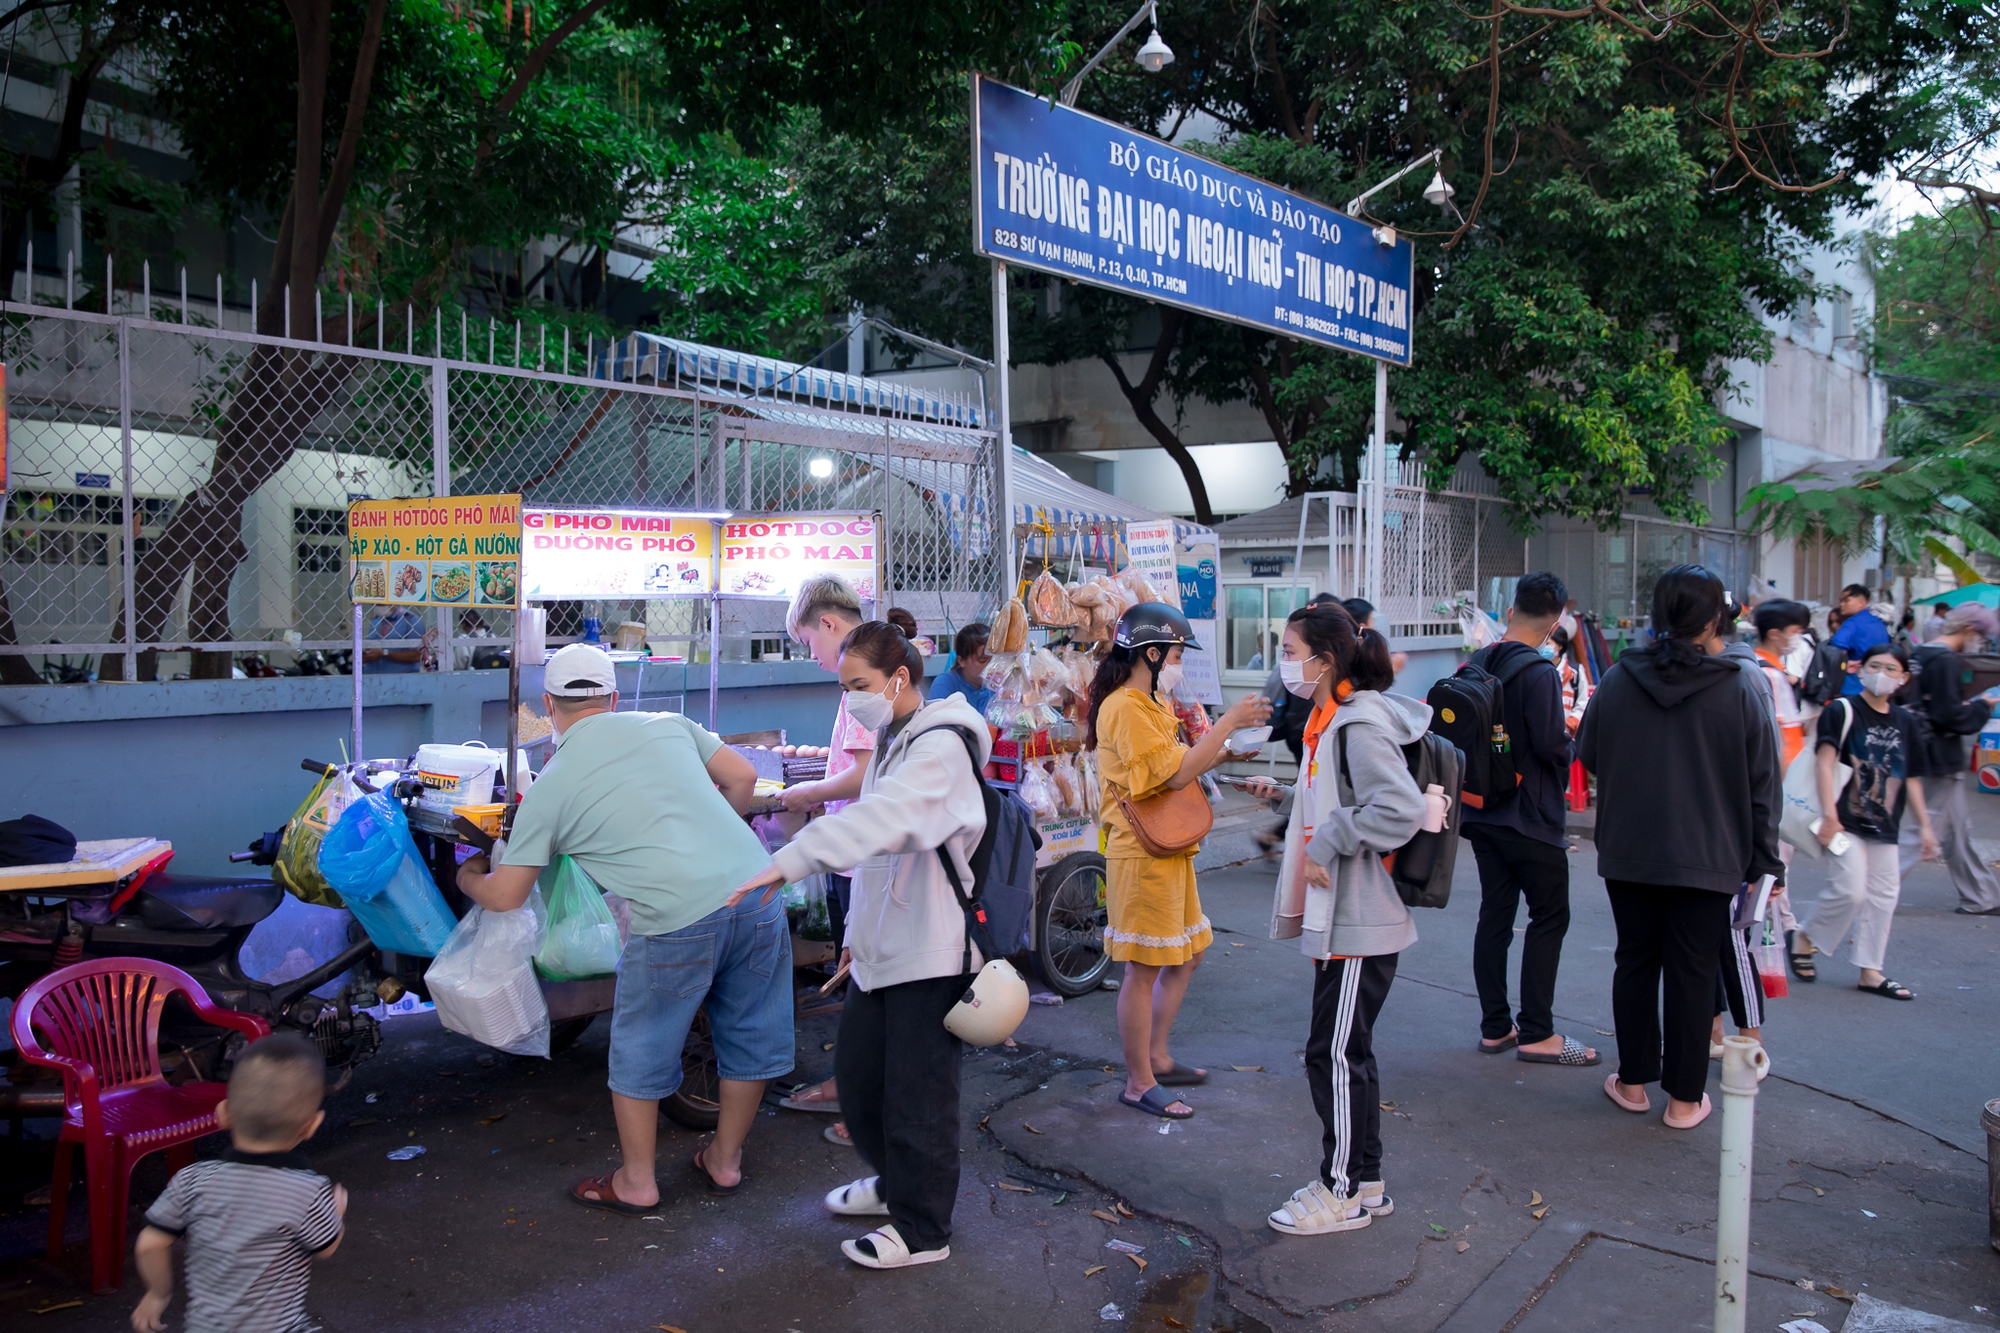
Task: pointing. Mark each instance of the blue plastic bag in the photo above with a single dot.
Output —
(369, 858)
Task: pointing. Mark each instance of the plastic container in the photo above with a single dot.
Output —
(1247, 740)
(1986, 759)
(456, 775)
(369, 859)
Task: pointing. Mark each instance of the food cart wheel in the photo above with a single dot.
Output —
(1069, 924)
(694, 1104)
(564, 1032)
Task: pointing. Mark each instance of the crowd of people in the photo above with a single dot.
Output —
(1695, 728)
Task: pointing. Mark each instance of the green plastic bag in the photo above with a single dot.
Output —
(582, 939)
(297, 866)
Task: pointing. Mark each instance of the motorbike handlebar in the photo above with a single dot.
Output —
(242, 856)
(319, 767)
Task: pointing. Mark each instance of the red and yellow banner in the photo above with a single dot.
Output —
(462, 550)
(614, 553)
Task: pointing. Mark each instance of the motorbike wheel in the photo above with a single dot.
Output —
(563, 1034)
(1069, 904)
(695, 1103)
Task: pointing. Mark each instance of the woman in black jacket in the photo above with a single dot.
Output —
(1688, 798)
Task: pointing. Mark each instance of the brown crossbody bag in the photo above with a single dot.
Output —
(1169, 823)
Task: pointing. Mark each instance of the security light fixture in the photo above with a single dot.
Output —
(1439, 192)
(1153, 57)
(821, 468)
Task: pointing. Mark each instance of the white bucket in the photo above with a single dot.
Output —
(455, 775)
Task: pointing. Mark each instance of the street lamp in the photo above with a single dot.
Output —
(820, 468)
(1153, 57)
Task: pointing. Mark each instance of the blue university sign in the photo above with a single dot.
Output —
(1068, 193)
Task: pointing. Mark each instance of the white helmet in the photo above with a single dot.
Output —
(992, 1006)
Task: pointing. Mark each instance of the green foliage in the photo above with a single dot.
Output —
(1936, 332)
(1912, 501)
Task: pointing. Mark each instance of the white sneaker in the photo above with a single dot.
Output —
(884, 1248)
(1374, 1198)
(862, 1198)
(1315, 1211)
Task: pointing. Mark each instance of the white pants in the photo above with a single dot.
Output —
(1860, 895)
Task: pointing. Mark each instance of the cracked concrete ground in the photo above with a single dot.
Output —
(1870, 1174)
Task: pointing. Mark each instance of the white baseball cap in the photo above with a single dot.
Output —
(579, 671)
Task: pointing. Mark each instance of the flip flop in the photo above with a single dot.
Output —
(715, 1186)
(607, 1197)
(818, 1105)
(1890, 989)
(1801, 963)
(1699, 1116)
(1155, 1101)
(1180, 1076)
(1507, 1043)
(1574, 1053)
(1611, 1091)
(833, 1135)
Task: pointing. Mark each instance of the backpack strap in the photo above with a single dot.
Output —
(1516, 664)
(975, 915)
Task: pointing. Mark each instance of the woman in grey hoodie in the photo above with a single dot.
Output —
(1355, 803)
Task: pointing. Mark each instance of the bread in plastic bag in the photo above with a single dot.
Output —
(1048, 601)
(483, 980)
(369, 859)
(297, 868)
(582, 937)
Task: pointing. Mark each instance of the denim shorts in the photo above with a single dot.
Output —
(737, 963)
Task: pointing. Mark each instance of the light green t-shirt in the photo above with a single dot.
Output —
(629, 796)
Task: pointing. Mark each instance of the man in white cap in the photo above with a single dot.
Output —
(650, 806)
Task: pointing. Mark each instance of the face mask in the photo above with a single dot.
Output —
(1293, 674)
(871, 710)
(1169, 677)
(1880, 683)
(1548, 652)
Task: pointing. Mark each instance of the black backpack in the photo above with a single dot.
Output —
(1421, 868)
(1825, 675)
(1467, 709)
(1001, 906)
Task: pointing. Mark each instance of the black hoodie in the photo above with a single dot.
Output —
(1687, 775)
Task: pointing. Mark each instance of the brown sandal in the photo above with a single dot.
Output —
(607, 1197)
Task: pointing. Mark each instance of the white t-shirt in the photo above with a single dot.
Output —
(1796, 662)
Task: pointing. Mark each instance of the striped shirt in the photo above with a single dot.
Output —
(253, 1223)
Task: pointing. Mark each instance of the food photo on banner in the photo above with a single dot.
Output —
(1069, 193)
(459, 551)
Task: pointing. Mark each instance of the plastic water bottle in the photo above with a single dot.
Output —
(1986, 758)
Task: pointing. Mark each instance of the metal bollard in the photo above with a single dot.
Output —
(1744, 1064)
(1989, 1120)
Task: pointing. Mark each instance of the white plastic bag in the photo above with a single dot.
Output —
(1801, 796)
(483, 980)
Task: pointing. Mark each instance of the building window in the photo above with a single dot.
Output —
(1843, 313)
(1254, 622)
(1816, 570)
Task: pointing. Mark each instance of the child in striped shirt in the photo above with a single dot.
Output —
(255, 1218)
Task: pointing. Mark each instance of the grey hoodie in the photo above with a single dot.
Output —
(920, 792)
(1361, 915)
(1687, 774)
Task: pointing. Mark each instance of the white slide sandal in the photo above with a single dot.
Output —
(862, 1198)
(884, 1248)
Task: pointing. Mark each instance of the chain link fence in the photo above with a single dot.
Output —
(177, 487)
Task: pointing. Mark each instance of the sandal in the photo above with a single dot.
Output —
(1802, 963)
(715, 1186)
(1574, 1053)
(1501, 1047)
(1180, 1076)
(884, 1248)
(607, 1197)
(1693, 1120)
(1155, 1101)
(1891, 988)
(1611, 1091)
(836, 1134)
(860, 1198)
(797, 1101)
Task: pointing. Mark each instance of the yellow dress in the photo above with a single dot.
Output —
(1155, 916)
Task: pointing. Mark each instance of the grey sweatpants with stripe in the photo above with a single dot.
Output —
(1951, 819)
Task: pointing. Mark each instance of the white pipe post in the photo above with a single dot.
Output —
(184, 296)
(1003, 450)
(357, 678)
(69, 283)
(1378, 463)
(441, 488)
(28, 288)
(146, 287)
(1744, 1064)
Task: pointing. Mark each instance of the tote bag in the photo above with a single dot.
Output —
(1801, 798)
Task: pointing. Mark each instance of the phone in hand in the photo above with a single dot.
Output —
(1841, 841)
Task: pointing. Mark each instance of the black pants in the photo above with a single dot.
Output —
(1513, 866)
(839, 889)
(1670, 940)
(1340, 1067)
(1738, 988)
(897, 1071)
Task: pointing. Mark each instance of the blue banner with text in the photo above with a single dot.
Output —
(1069, 193)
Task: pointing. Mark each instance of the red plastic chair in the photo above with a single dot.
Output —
(101, 1022)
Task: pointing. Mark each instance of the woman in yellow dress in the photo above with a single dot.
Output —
(1156, 927)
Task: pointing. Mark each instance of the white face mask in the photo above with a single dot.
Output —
(871, 710)
(1880, 683)
(1293, 674)
(1169, 677)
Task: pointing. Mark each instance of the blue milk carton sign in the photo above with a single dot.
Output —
(1065, 192)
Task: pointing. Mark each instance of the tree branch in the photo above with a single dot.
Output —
(531, 68)
(1140, 396)
(335, 197)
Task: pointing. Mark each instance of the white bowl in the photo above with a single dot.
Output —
(1249, 740)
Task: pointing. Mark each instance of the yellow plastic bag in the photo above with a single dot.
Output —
(297, 867)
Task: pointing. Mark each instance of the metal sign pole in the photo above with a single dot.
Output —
(1378, 460)
(1003, 440)
(359, 611)
(714, 657)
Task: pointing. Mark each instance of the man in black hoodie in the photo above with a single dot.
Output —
(1939, 677)
(1521, 845)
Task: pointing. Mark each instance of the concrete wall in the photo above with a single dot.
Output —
(210, 765)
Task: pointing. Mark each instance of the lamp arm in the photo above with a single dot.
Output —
(1075, 85)
(1353, 208)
